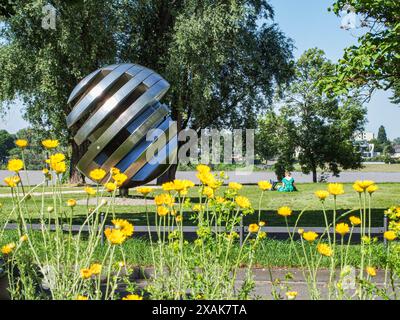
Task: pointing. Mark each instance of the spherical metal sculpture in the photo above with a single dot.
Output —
(114, 108)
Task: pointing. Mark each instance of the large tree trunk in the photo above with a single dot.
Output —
(75, 176)
(314, 175)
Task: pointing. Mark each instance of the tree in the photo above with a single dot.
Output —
(316, 127)
(396, 141)
(223, 67)
(6, 144)
(382, 137)
(374, 63)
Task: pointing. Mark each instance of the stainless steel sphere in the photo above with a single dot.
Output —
(114, 108)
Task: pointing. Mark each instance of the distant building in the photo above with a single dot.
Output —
(396, 151)
(364, 136)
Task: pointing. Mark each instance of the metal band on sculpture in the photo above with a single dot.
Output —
(115, 107)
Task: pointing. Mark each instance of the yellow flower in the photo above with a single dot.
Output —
(90, 191)
(261, 223)
(198, 207)
(364, 184)
(357, 188)
(284, 211)
(243, 202)
(123, 225)
(202, 168)
(372, 188)
(162, 211)
(86, 273)
(220, 200)
(12, 181)
(8, 248)
(114, 171)
(82, 298)
(264, 185)
(50, 144)
(71, 202)
(45, 171)
(390, 235)
(253, 228)
(355, 221)
(371, 271)
(144, 190)
(300, 231)
(95, 268)
(262, 234)
(164, 198)
(208, 192)
(168, 186)
(132, 297)
(15, 165)
(291, 295)
(335, 189)
(59, 167)
(58, 157)
(235, 186)
(324, 249)
(23, 238)
(321, 194)
(97, 174)
(114, 236)
(120, 178)
(110, 186)
(310, 236)
(21, 143)
(366, 239)
(179, 218)
(342, 228)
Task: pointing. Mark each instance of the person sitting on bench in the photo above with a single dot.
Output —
(287, 183)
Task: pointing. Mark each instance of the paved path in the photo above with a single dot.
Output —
(36, 177)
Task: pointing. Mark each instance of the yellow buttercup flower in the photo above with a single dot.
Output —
(179, 218)
(125, 226)
(342, 228)
(310, 236)
(291, 295)
(372, 188)
(110, 186)
(23, 238)
(90, 191)
(364, 184)
(8, 248)
(202, 168)
(164, 198)
(114, 171)
(284, 211)
(262, 235)
(86, 273)
(220, 200)
(12, 181)
(21, 143)
(95, 268)
(50, 144)
(132, 297)
(335, 189)
(71, 202)
(253, 228)
(162, 211)
(58, 167)
(357, 188)
(235, 186)
(390, 235)
(208, 192)
(371, 271)
(97, 174)
(58, 157)
(300, 231)
(144, 190)
(355, 221)
(120, 178)
(322, 194)
(82, 298)
(264, 185)
(243, 202)
(198, 207)
(45, 171)
(114, 236)
(15, 165)
(324, 250)
(261, 223)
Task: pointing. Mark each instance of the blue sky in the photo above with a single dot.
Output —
(309, 24)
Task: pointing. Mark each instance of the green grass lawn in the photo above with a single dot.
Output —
(304, 199)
